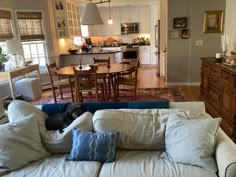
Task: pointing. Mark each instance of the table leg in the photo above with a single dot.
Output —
(12, 89)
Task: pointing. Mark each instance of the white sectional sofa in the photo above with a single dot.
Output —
(143, 148)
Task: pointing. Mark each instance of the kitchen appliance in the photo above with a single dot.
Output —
(127, 28)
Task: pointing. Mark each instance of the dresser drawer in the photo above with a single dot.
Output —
(215, 81)
(206, 66)
(228, 78)
(216, 71)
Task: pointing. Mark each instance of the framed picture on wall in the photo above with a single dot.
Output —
(213, 21)
(180, 22)
(185, 33)
(174, 34)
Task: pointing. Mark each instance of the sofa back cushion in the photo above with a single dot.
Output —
(139, 128)
(20, 143)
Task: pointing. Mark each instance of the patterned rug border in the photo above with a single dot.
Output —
(143, 94)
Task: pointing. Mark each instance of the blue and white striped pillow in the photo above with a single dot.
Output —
(93, 146)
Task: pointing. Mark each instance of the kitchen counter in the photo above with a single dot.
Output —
(93, 52)
(68, 59)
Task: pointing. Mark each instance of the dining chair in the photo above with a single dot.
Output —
(59, 84)
(127, 81)
(87, 81)
(102, 61)
(109, 77)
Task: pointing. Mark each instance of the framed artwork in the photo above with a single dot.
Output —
(180, 22)
(213, 21)
(174, 34)
(185, 33)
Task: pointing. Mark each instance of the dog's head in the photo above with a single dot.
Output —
(74, 110)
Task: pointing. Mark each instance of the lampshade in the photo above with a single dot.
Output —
(14, 46)
(91, 15)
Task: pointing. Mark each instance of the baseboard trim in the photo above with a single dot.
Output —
(184, 84)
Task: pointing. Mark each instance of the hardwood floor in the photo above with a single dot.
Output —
(147, 78)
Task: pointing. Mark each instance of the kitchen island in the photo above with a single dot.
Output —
(87, 58)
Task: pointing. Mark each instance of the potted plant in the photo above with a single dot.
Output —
(3, 59)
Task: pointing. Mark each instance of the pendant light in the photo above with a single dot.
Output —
(110, 21)
(91, 15)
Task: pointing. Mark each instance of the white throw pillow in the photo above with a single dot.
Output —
(20, 143)
(57, 142)
(18, 110)
(191, 141)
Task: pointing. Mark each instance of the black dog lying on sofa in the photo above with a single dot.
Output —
(61, 120)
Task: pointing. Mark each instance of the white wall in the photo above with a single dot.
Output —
(230, 23)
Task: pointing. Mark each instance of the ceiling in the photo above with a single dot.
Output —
(120, 2)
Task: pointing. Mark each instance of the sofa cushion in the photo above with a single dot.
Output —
(56, 166)
(57, 142)
(93, 146)
(149, 164)
(20, 143)
(139, 128)
(191, 141)
(18, 110)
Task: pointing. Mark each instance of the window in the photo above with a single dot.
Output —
(31, 32)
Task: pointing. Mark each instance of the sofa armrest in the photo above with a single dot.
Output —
(225, 155)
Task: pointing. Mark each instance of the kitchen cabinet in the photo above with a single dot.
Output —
(129, 14)
(144, 19)
(67, 18)
(107, 29)
(145, 54)
(218, 91)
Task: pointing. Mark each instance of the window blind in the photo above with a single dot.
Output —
(30, 26)
(6, 31)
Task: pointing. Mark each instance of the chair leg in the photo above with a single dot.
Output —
(71, 90)
(54, 94)
(61, 92)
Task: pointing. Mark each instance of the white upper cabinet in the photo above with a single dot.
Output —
(129, 14)
(144, 22)
(67, 18)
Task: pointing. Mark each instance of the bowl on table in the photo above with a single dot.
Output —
(72, 51)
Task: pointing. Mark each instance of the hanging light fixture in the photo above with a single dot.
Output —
(110, 21)
(91, 15)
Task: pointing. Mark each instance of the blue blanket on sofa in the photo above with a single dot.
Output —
(54, 108)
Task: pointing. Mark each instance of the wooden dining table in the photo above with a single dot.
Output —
(111, 71)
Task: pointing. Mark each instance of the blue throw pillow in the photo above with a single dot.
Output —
(93, 146)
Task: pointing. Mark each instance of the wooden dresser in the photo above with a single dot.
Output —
(218, 91)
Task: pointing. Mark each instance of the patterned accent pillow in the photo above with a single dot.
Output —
(93, 146)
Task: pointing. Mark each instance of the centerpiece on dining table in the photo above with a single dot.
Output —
(84, 47)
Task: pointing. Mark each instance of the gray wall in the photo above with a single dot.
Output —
(183, 58)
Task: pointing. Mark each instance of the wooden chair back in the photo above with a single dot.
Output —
(58, 83)
(87, 80)
(102, 61)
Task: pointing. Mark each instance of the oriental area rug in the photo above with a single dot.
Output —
(143, 94)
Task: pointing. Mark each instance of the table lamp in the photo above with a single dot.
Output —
(14, 49)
